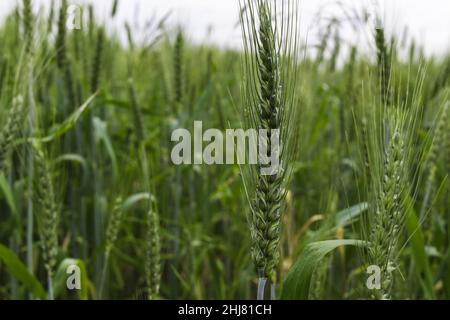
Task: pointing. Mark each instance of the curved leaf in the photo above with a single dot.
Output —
(16, 268)
(8, 194)
(68, 124)
(135, 198)
(73, 157)
(417, 241)
(298, 281)
(101, 133)
(346, 216)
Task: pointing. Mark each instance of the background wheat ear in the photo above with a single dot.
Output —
(11, 130)
(28, 25)
(178, 71)
(269, 95)
(392, 160)
(97, 60)
(112, 232)
(383, 65)
(438, 150)
(60, 42)
(47, 214)
(114, 8)
(153, 255)
(152, 236)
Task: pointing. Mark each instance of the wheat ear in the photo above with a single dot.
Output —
(11, 130)
(112, 232)
(48, 217)
(270, 43)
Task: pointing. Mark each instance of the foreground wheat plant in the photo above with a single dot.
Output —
(270, 32)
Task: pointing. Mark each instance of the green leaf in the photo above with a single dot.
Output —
(61, 277)
(419, 254)
(73, 157)
(17, 269)
(135, 198)
(346, 216)
(101, 133)
(298, 281)
(8, 194)
(68, 124)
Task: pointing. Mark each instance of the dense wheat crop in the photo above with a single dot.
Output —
(93, 205)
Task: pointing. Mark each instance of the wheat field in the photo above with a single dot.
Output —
(92, 205)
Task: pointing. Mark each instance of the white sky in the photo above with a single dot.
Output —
(428, 21)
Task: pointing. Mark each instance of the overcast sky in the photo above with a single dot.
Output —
(428, 21)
